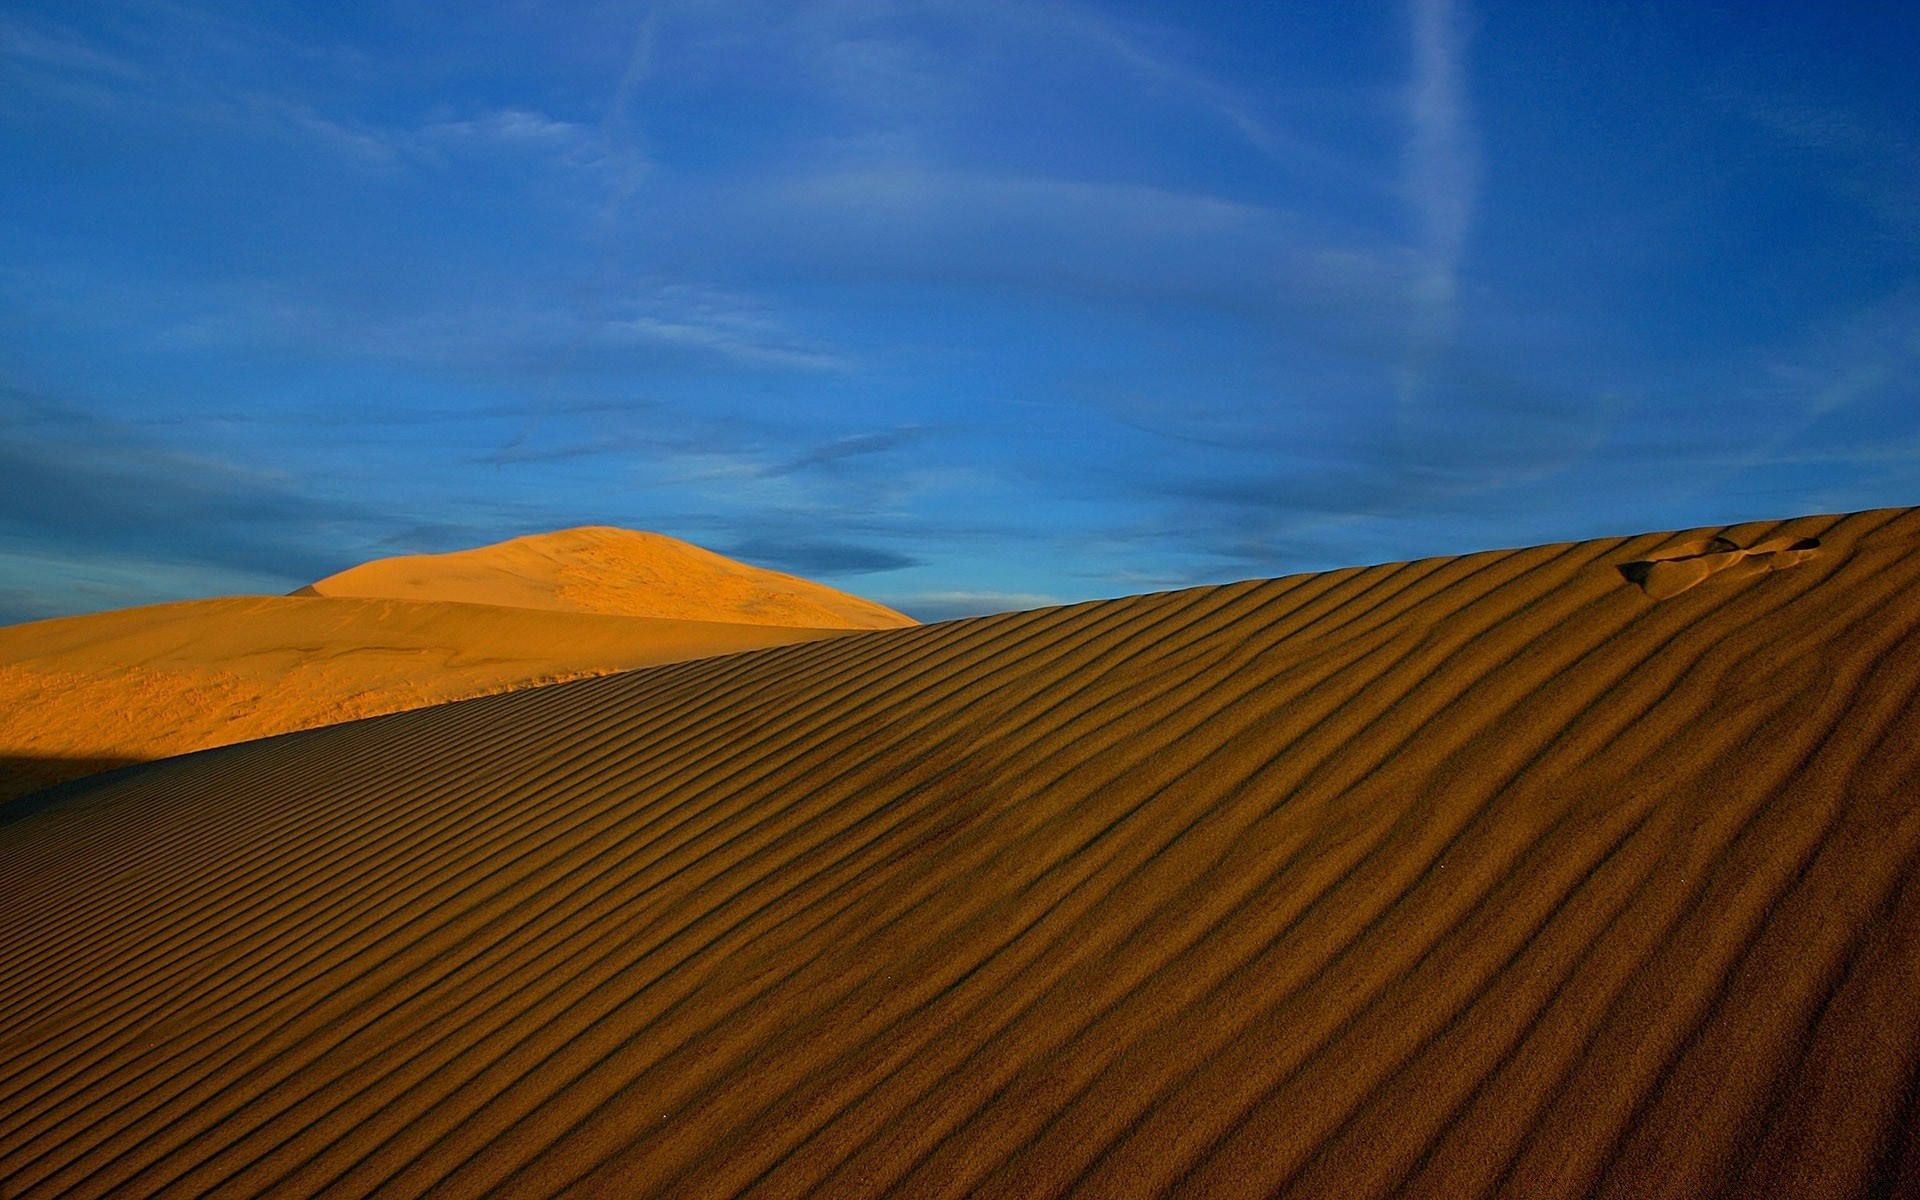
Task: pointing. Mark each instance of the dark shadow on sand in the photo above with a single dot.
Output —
(32, 782)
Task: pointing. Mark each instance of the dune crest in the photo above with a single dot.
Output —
(603, 569)
(1475, 876)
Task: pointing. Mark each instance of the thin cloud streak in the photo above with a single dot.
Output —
(845, 448)
(1442, 175)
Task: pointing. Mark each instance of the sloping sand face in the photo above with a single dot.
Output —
(1491, 875)
(85, 694)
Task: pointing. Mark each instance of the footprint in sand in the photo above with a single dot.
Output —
(1680, 567)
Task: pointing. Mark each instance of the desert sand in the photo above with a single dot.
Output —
(602, 569)
(84, 694)
(1525, 873)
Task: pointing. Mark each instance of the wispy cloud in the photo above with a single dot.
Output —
(520, 125)
(42, 583)
(840, 449)
(1134, 50)
(77, 488)
(527, 135)
(740, 340)
(1829, 400)
(1863, 160)
(896, 59)
(241, 76)
(951, 605)
(53, 47)
(815, 557)
(1007, 298)
(1093, 243)
(1441, 179)
(352, 139)
(541, 332)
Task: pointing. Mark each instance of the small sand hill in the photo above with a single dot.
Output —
(1495, 875)
(601, 569)
(84, 694)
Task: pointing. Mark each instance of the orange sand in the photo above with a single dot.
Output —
(1491, 875)
(601, 569)
(84, 694)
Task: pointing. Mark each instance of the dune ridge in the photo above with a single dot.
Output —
(1488, 875)
(90, 693)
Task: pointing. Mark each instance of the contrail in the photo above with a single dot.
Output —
(616, 128)
(1441, 175)
(621, 140)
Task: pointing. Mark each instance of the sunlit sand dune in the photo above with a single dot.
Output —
(84, 694)
(601, 569)
(1491, 875)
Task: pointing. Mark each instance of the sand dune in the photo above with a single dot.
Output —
(1490, 875)
(601, 569)
(85, 694)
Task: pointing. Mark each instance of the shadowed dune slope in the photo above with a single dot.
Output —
(1491, 875)
(603, 569)
(82, 694)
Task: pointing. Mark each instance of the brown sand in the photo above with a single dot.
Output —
(84, 694)
(601, 569)
(1490, 875)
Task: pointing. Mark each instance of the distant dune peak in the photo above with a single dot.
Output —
(84, 694)
(606, 569)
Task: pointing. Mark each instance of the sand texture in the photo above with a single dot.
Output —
(601, 569)
(1490, 875)
(86, 694)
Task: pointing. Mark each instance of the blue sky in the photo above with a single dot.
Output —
(963, 306)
